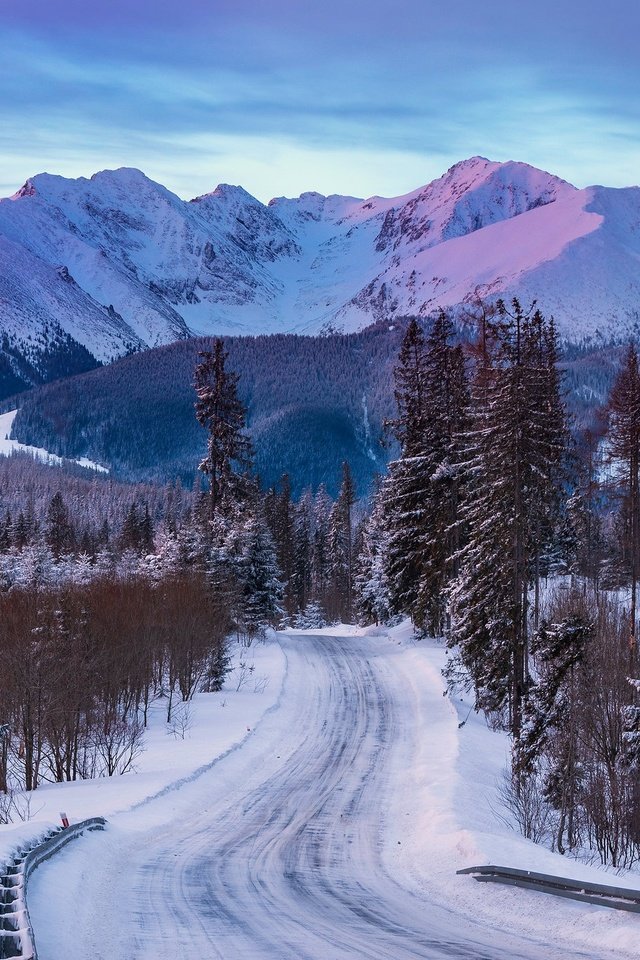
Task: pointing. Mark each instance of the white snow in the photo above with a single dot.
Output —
(225, 263)
(428, 802)
(215, 724)
(457, 771)
(9, 446)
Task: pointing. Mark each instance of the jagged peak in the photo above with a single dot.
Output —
(27, 189)
(51, 185)
(308, 196)
(312, 205)
(479, 165)
(312, 196)
(472, 163)
(128, 176)
(227, 191)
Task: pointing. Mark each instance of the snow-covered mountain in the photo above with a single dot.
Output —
(119, 263)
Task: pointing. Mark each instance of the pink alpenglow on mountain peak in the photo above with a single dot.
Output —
(144, 267)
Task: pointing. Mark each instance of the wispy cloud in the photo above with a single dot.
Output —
(251, 92)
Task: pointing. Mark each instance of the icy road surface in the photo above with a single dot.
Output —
(276, 853)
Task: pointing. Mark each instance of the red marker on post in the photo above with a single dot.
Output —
(65, 819)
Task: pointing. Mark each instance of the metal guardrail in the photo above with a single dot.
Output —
(601, 895)
(16, 933)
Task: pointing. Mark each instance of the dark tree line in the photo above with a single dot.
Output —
(304, 400)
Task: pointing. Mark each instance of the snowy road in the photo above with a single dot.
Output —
(277, 853)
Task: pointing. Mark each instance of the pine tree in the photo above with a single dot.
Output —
(281, 522)
(320, 548)
(219, 409)
(146, 531)
(302, 575)
(311, 617)
(404, 492)
(549, 443)
(422, 492)
(59, 533)
(5, 533)
(260, 578)
(585, 510)
(624, 443)
(514, 448)
(21, 532)
(371, 584)
(550, 723)
(446, 402)
(342, 547)
(130, 535)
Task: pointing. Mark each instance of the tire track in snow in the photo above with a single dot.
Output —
(276, 852)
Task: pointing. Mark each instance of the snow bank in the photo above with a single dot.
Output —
(445, 813)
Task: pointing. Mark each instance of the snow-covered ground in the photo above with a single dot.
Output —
(201, 732)
(458, 772)
(334, 831)
(9, 446)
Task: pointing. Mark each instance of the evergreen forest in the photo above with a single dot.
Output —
(506, 523)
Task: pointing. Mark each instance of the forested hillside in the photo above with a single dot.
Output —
(313, 402)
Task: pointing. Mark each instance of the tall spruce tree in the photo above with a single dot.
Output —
(514, 448)
(302, 577)
(446, 403)
(624, 444)
(342, 547)
(283, 533)
(220, 411)
(585, 509)
(371, 583)
(404, 489)
(59, 533)
(320, 548)
(260, 578)
(422, 491)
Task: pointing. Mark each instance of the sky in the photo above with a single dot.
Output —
(339, 96)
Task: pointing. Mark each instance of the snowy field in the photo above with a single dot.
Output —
(8, 446)
(346, 788)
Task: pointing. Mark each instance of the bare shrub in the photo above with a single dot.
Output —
(181, 721)
(16, 806)
(118, 742)
(244, 671)
(522, 807)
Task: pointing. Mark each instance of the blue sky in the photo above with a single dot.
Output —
(345, 96)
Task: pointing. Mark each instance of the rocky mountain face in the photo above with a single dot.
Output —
(116, 263)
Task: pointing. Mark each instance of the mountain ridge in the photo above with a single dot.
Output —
(120, 263)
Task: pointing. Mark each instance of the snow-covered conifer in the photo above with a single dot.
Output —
(514, 447)
(220, 411)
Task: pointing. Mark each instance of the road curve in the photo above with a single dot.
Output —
(283, 861)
